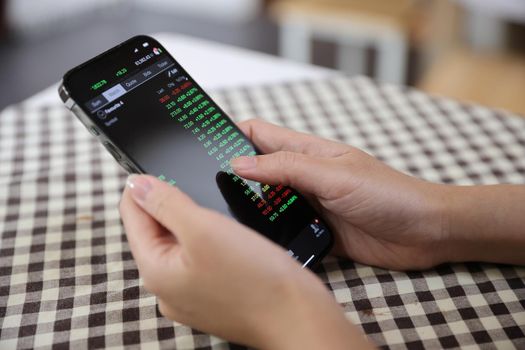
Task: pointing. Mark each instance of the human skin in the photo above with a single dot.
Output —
(383, 217)
(216, 275)
(220, 277)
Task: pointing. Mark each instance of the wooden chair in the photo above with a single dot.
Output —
(383, 25)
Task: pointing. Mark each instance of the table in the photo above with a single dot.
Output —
(67, 277)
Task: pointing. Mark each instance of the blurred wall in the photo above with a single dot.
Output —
(31, 15)
(36, 15)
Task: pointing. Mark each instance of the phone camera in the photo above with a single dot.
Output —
(101, 115)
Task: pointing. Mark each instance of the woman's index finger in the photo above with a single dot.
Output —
(270, 138)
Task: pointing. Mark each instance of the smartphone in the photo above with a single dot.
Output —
(153, 118)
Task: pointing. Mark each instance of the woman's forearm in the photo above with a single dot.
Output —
(486, 223)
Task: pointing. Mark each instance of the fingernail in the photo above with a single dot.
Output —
(243, 163)
(139, 186)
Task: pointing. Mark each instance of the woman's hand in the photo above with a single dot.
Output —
(383, 217)
(218, 276)
(379, 216)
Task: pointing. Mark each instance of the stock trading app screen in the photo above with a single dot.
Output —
(166, 125)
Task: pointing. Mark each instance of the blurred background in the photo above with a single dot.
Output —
(472, 50)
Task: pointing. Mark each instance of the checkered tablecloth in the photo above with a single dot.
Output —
(67, 278)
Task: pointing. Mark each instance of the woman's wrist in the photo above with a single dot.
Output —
(309, 318)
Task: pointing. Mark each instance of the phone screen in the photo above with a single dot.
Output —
(155, 119)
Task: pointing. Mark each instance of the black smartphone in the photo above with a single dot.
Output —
(155, 119)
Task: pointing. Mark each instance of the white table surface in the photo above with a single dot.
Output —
(217, 66)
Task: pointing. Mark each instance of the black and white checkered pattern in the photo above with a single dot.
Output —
(67, 278)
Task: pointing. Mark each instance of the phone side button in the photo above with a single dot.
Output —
(94, 131)
(112, 150)
(130, 168)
